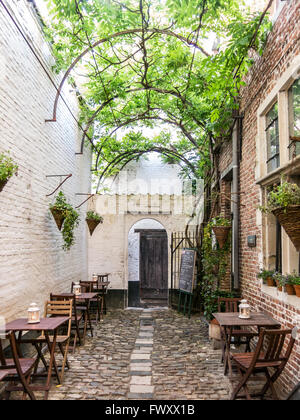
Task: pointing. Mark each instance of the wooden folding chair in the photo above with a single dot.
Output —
(238, 336)
(272, 352)
(77, 317)
(16, 370)
(62, 309)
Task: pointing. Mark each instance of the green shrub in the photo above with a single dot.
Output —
(7, 167)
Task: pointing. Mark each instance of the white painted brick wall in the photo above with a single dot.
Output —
(32, 262)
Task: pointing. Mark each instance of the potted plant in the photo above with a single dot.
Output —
(267, 277)
(280, 281)
(221, 228)
(93, 219)
(284, 202)
(289, 286)
(66, 217)
(7, 169)
(296, 284)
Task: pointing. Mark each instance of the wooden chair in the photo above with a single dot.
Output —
(63, 309)
(77, 316)
(102, 290)
(16, 370)
(84, 306)
(238, 336)
(272, 352)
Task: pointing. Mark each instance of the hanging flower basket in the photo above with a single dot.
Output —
(2, 184)
(93, 219)
(289, 219)
(92, 224)
(221, 233)
(59, 217)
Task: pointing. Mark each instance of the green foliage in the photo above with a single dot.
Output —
(282, 196)
(221, 221)
(280, 279)
(150, 86)
(91, 215)
(71, 219)
(293, 279)
(265, 274)
(7, 167)
(211, 301)
(215, 262)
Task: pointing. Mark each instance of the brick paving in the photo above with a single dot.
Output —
(145, 355)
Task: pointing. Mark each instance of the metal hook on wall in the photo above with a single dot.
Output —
(57, 176)
(90, 196)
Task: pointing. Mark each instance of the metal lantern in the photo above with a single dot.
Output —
(95, 277)
(244, 309)
(77, 289)
(34, 314)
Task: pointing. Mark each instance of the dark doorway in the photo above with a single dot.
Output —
(153, 266)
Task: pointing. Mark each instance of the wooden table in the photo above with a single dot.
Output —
(87, 297)
(230, 320)
(46, 325)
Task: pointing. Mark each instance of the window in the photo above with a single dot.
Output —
(272, 134)
(294, 119)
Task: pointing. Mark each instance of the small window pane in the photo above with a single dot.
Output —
(294, 117)
(272, 132)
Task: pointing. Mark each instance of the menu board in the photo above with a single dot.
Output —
(187, 270)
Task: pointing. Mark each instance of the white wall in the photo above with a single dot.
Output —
(32, 262)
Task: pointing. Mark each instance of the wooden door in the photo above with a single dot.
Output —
(154, 264)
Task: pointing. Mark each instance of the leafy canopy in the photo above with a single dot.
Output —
(149, 81)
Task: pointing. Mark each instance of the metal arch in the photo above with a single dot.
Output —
(116, 35)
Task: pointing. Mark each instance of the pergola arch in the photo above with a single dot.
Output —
(109, 38)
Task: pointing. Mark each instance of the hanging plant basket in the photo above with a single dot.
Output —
(221, 233)
(2, 184)
(289, 219)
(92, 224)
(59, 217)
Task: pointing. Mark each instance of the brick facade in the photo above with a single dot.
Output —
(32, 262)
(282, 47)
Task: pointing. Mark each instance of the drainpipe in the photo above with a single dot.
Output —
(236, 142)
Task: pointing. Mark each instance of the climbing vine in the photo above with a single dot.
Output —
(215, 262)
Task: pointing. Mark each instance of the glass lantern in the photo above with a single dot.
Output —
(244, 309)
(95, 277)
(34, 314)
(77, 289)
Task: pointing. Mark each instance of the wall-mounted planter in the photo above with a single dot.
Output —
(221, 233)
(289, 219)
(2, 184)
(92, 224)
(59, 217)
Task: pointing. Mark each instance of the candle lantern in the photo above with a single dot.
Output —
(244, 309)
(77, 289)
(34, 314)
(95, 277)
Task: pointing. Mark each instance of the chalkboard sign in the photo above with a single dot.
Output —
(187, 270)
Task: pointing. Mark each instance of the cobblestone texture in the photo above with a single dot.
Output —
(182, 363)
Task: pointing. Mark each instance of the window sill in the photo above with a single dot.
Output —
(290, 168)
(281, 296)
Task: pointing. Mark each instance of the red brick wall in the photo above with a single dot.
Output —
(282, 47)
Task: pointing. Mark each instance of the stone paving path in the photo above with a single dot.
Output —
(145, 355)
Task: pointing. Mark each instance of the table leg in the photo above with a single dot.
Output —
(227, 361)
(51, 363)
